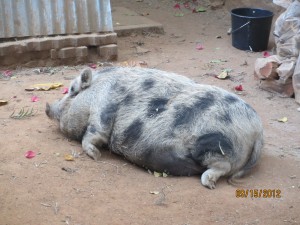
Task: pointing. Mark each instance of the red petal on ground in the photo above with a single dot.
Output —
(65, 90)
(30, 154)
(176, 6)
(238, 88)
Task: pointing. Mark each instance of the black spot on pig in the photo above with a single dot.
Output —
(225, 118)
(108, 114)
(156, 106)
(122, 89)
(72, 91)
(214, 143)
(230, 99)
(148, 84)
(133, 132)
(165, 161)
(186, 114)
(128, 99)
(92, 129)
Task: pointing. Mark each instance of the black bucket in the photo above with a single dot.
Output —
(250, 28)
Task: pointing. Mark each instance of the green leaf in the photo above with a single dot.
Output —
(178, 14)
(201, 9)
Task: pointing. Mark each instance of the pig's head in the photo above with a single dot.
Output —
(59, 107)
(81, 82)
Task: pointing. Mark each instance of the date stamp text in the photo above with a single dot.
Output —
(258, 193)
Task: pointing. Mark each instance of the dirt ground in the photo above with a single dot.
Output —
(47, 189)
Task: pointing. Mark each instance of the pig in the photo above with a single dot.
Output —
(161, 121)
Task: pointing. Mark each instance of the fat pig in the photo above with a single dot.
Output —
(161, 121)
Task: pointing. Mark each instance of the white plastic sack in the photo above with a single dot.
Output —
(283, 3)
(287, 31)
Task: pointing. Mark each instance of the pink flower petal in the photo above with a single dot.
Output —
(34, 98)
(266, 54)
(199, 47)
(93, 65)
(186, 5)
(177, 6)
(65, 90)
(30, 154)
(7, 73)
(238, 88)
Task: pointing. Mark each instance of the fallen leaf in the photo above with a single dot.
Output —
(3, 102)
(132, 63)
(215, 61)
(164, 174)
(199, 47)
(68, 169)
(201, 9)
(30, 154)
(266, 54)
(179, 14)
(154, 192)
(65, 90)
(238, 88)
(283, 120)
(44, 87)
(156, 174)
(218, 61)
(34, 98)
(29, 89)
(223, 75)
(69, 157)
(23, 113)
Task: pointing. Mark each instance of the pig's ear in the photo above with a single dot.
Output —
(86, 78)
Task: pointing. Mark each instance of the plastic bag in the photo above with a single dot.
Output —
(283, 3)
(287, 31)
(281, 72)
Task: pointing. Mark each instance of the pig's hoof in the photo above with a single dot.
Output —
(208, 180)
(93, 152)
(95, 155)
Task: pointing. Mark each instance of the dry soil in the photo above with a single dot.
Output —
(47, 189)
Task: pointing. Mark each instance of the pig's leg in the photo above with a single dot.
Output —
(92, 138)
(215, 171)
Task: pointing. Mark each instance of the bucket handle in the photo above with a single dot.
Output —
(239, 28)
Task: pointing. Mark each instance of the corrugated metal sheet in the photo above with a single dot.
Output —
(22, 18)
